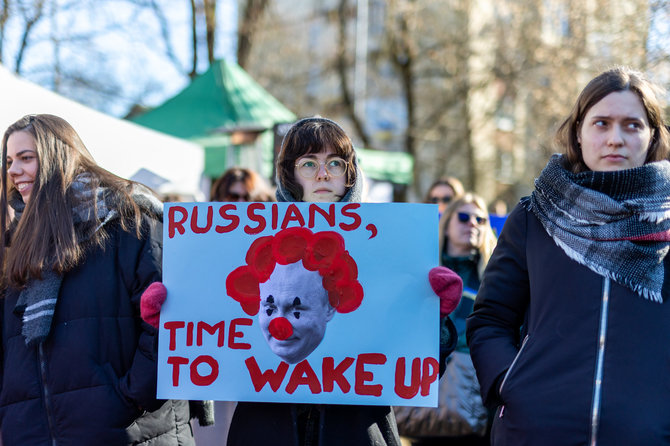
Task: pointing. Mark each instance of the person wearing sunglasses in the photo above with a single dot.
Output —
(466, 238)
(466, 242)
(240, 184)
(443, 191)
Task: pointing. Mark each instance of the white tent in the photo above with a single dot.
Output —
(165, 163)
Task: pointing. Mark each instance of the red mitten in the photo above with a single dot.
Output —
(448, 286)
(151, 301)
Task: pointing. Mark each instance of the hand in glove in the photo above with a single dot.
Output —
(448, 286)
(151, 302)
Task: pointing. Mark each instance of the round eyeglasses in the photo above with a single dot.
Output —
(309, 168)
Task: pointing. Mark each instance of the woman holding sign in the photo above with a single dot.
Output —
(570, 327)
(318, 163)
(79, 365)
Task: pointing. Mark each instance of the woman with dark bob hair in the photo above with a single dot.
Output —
(318, 163)
(78, 363)
(569, 329)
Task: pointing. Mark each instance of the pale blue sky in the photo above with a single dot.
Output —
(128, 52)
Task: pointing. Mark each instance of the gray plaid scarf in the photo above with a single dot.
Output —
(37, 302)
(615, 223)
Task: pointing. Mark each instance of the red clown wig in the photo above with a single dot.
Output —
(322, 251)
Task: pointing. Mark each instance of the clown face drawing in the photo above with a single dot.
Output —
(294, 311)
(295, 281)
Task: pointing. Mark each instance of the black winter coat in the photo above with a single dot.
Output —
(592, 367)
(280, 424)
(93, 380)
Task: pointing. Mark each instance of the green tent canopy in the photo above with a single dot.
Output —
(225, 97)
(395, 167)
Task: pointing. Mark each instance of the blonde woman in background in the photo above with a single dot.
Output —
(466, 244)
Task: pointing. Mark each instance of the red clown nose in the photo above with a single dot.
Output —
(280, 328)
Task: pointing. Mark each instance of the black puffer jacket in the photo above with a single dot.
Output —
(554, 392)
(93, 380)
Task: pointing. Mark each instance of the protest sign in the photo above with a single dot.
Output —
(299, 302)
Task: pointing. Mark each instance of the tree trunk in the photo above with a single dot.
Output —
(194, 39)
(402, 57)
(210, 21)
(251, 14)
(342, 66)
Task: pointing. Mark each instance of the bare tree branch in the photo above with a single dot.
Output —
(402, 55)
(29, 23)
(165, 34)
(3, 20)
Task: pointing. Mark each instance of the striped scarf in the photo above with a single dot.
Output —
(615, 223)
(37, 301)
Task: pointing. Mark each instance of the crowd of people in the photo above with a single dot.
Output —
(551, 326)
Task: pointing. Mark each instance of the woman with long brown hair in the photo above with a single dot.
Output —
(79, 365)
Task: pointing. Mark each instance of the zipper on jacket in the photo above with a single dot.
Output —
(509, 370)
(502, 384)
(45, 392)
(598, 379)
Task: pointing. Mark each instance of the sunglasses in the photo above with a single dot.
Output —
(232, 196)
(443, 200)
(464, 217)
